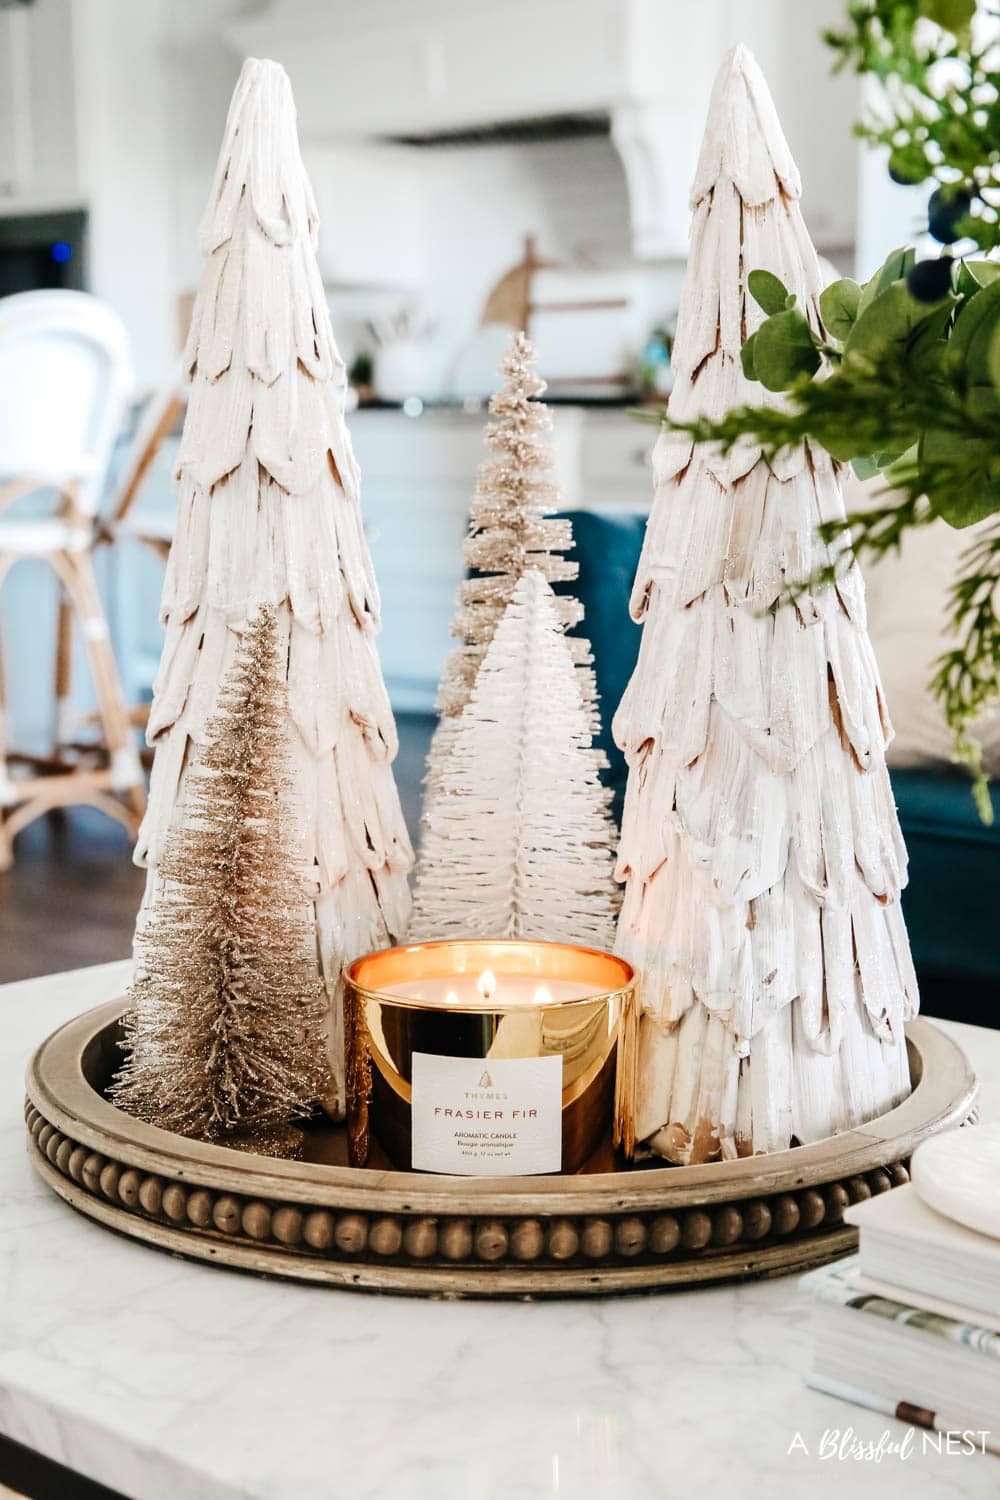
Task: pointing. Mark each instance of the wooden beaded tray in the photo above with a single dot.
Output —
(631, 1229)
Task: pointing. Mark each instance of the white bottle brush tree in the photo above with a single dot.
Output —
(511, 529)
(760, 849)
(519, 843)
(511, 526)
(269, 514)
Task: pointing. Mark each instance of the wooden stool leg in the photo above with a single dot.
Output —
(76, 570)
(63, 729)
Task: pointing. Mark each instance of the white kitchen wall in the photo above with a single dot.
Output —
(368, 196)
(816, 107)
(889, 215)
(201, 70)
(469, 210)
(124, 142)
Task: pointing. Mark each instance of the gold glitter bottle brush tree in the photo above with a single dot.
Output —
(223, 1039)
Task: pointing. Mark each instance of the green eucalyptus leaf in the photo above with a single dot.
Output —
(993, 360)
(941, 445)
(767, 291)
(783, 350)
(747, 357)
(927, 350)
(907, 261)
(981, 272)
(983, 402)
(969, 494)
(843, 449)
(865, 468)
(954, 15)
(966, 284)
(903, 468)
(974, 333)
(964, 507)
(894, 268)
(891, 318)
(838, 306)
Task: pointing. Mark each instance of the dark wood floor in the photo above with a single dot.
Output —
(72, 895)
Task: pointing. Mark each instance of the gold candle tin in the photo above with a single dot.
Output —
(439, 1083)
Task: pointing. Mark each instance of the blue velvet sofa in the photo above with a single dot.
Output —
(952, 902)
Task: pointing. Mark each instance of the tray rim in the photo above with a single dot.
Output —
(624, 1231)
(442, 1281)
(944, 1094)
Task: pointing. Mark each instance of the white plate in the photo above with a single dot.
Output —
(958, 1174)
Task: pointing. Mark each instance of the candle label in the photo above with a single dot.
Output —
(492, 1117)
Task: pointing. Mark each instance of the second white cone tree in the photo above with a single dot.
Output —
(518, 843)
(760, 849)
(269, 513)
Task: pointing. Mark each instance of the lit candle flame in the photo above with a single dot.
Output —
(487, 985)
(543, 996)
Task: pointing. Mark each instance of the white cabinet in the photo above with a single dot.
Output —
(417, 479)
(15, 104)
(38, 159)
(616, 470)
(387, 67)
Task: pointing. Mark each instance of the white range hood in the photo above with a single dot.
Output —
(424, 67)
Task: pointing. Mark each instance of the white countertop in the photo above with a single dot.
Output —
(169, 1380)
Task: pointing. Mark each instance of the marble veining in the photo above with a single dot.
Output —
(175, 1381)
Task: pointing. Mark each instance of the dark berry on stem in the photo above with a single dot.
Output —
(945, 209)
(930, 280)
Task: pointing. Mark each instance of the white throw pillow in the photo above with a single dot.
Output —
(907, 617)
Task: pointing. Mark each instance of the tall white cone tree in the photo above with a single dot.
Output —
(760, 848)
(269, 514)
(519, 843)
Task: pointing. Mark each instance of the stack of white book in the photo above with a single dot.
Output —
(911, 1325)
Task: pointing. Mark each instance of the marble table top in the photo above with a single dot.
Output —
(169, 1380)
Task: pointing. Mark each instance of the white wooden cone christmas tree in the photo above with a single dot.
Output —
(518, 844)
(269, 514)
(511, 529)
(760, 849)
